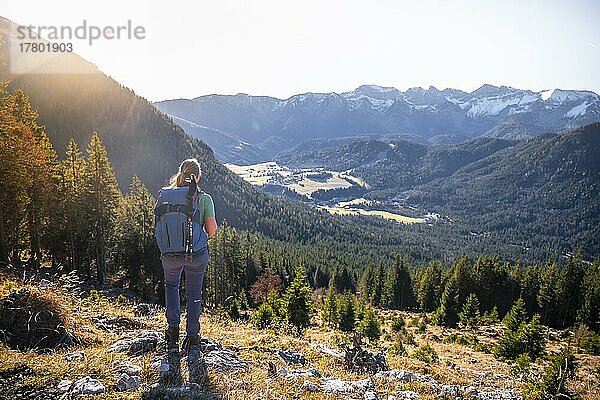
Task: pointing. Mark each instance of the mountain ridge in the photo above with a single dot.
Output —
(272, 125)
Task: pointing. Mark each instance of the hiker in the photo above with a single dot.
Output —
(185, 217)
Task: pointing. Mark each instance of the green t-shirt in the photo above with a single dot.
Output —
(206, 206)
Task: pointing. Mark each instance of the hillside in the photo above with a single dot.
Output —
(267, 125)
(547, 186)
(117, 352)
(538, 192)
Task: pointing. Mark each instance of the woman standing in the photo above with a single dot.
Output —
(185, 218)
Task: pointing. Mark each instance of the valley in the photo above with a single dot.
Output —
(302, 184)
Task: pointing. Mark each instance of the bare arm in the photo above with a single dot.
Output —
(210, 226)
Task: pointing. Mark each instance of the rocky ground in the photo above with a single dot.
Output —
(116, 351)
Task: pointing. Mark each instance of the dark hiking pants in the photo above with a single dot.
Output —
(194, 275)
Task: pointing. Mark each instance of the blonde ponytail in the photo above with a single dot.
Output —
(188, 167)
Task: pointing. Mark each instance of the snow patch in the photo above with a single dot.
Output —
(578, 110)
(546, 94)
(495, 105)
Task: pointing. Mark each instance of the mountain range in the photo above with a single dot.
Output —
(525, 198)
(245, 129)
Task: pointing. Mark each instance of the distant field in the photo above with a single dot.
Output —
(384, 214)
(299, 181)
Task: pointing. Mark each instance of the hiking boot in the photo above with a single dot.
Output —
(195, 360)
(170, 369)
(172, 337)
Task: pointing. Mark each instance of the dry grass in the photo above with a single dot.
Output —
(455, 365)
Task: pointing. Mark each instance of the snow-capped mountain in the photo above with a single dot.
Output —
(255, 128)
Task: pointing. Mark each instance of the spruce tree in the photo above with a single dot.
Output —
(70, 192)
(447, 313)
(397, 287)
(101, 201)
(347, 312)
(298, 301)
(516, 316)
(330, 306)
(469, 316)
(429, 288)
(137, 246)
(589, 311)
(370, 326)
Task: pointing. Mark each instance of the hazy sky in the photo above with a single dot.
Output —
(280, 48)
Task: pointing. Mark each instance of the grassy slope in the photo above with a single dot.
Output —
(456, 364)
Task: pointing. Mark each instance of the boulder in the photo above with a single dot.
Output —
(144, 342)
(87, 385)
(404, 395)
(361, 360)
(405, 376)
(225, 361)
(336, 386)
(124, 367)
(310, 387)
(291, 357)
(74, 356)
(127, 382)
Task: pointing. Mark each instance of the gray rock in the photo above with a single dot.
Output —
(44, 284)
(309, 373)
(74, 356)
(405, 395)
(64, 386)
(187, 391)
(503, 394)
(124, 367)
(145, 342)
(291, 357)
(115, 324)
(327, 350)
(127, 382)
(87, 385)
(336, 386)
(449, 391)
(406, 376)
(371, 395)
(225, 361)
(309, 386)
(208, 344)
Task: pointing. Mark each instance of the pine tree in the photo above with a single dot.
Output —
(347, 312)
(469, 316)
(366, 284)
(298, 301)
(70, 192)
(101, 199)
(370, 326)
(137, 246)
(447, 313)
(547, 295)
(568, 288)
(397, 287)
(330, 306)
(430, 287)
(589, 312)
(516, 316)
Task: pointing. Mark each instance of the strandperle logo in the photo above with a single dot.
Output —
(45, 49)
(85, 31)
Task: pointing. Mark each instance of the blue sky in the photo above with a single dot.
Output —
(280, 48)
